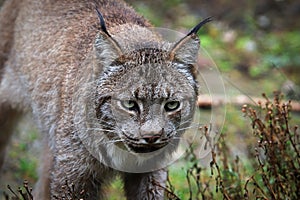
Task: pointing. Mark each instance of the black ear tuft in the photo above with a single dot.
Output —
(186, 49)
(102, 22)
(107, 49)
(196, 28)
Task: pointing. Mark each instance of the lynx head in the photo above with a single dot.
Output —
(146, 88)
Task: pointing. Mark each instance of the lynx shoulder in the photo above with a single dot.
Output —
(109, 95)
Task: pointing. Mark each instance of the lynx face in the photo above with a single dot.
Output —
(151, 105)
(141, 97)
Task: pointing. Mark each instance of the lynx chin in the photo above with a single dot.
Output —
(110, 96)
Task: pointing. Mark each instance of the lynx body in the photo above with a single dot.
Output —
(107, 101)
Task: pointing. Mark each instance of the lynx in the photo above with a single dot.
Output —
(108, 94)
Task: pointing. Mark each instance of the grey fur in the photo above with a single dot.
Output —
(75, 79)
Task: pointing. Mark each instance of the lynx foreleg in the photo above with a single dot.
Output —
(145, 186)
(73, 167)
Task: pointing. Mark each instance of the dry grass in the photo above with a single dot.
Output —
(273, 169)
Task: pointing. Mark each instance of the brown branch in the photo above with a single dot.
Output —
(208, 101)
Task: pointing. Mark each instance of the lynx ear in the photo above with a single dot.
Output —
(186, 49)
(107, 48)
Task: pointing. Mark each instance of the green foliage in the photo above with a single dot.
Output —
(147, 13)
(281, 49)
(26, 164)
(115, 191)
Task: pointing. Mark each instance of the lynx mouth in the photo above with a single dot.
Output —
(142, 148)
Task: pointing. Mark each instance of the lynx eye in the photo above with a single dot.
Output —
(172, 106)
(130, 105)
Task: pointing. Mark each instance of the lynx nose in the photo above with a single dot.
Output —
(151, 138)
(151, 131)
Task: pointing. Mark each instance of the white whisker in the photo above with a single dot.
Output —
(113, 141)
(188, 127)
(100, 129)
